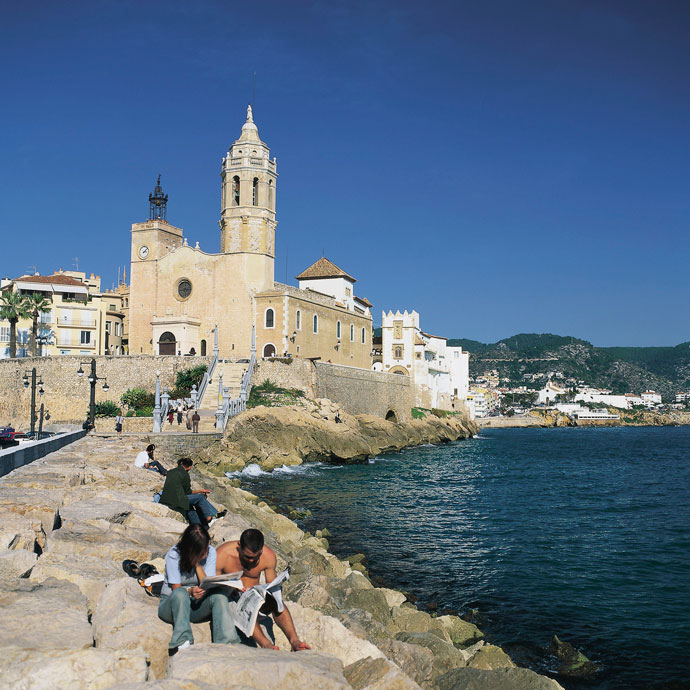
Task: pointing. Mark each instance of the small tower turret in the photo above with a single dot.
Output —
(158, 203)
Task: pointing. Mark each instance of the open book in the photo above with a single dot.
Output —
(252, 600)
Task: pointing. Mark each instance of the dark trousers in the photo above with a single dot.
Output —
(155, 466)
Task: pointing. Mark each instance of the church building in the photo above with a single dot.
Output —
(178, 293)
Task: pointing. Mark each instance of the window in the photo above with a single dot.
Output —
(337, 330)
(184, 288)
(44, 317)
(85, 337)
(86, 318)
(419, 355)
(298, 320)
(270, 194)
(112, 307)
(4, 334)
(348, 292)
(269, 318)
(255, 192)
(364, 336)
(236, 190)
(397, 329)
(398, 352)
(118, 328)
(107, 326)
(316, 323)
(352, 333)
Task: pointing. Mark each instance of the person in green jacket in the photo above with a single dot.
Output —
(177, 494)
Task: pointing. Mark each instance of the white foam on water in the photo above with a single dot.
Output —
(252, 470)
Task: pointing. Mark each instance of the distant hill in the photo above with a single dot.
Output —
(622, 369)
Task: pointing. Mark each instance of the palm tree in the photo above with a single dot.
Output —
(36, 302)
(13, 307)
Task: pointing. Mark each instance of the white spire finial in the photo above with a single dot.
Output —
(249, 114)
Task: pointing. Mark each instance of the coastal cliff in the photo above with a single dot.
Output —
(75, 515)
(291, 435)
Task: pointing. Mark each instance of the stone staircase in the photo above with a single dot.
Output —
(232, 379)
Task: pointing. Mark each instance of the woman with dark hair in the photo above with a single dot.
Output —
(183, 602)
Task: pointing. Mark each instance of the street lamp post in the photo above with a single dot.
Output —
(33, 395)
(93, 378)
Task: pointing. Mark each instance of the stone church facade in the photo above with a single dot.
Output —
(178, 293)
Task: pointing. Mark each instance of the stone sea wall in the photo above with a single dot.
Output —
(66, 397)
(553, 418)
(71, 518)
(357, 391)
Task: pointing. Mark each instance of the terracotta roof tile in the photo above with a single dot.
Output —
(54, 279)
(324, 268)
(364, 301)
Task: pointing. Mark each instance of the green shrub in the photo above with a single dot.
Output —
(144, 412)
(137, 399)
(130, 413)
(186, 379)
(440, 413)
(107, 408)
(418, 413)
(271, 395)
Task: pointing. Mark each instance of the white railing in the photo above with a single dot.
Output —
(231, 407)
(207, 377)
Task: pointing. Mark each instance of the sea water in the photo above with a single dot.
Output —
(580, 533)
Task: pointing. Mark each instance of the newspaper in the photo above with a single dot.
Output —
(226, 580)
(252, 600)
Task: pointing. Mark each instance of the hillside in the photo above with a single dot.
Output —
(621, 369)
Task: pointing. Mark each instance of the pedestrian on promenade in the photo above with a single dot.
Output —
(195, 422)
(146, 461)
(171, 414)
(180, 410)
(188, 418)
(178, 495)
(118, 422)
(183, 602)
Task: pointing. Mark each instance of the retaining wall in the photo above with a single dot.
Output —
(357, 391)
(24, 453)
(66, 397)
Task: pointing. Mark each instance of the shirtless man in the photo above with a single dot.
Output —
(253, 558)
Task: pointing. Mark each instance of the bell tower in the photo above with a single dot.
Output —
(248, 204)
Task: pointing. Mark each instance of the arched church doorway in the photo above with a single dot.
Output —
(203, 348)
(167, 344)
(399, 370)
(269, 350)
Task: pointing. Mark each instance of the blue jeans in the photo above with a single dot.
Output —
(198, 503)
(180, 610)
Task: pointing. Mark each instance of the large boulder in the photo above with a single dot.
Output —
(95, 508)
(261, 669)
(461, 632)
(18, 532)
(501, 679)
(40, 507)
(415, 661)
(90, 574)
(127, 618)
(66, 669)
(489, 657)
(17, 563)
(326, 634)
(446, 656)
(377, 674)
(48, 616)
(372, 600)
(411, 620)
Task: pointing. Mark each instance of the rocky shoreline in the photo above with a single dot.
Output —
(549, 419)
(74, 516)
(275, 436)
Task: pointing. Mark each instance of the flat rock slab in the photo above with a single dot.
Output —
(66, 669)
(17, 563)
(36, 505)
(17, 532)
(48, 616)
(501, 679)
(326, 634)
(108, 541)
(378, 674)
(261, 669)
(96, 508)
(90, 574)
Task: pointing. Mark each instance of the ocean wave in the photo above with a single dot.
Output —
(253, 470)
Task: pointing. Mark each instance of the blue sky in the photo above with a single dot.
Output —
(501, 167)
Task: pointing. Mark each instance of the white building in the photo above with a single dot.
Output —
(440, 373)
(651, 398)
(549, 392)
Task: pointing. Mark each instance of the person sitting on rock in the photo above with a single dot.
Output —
(183, 602)
(177, 494)
(145, 460)
(252, 557)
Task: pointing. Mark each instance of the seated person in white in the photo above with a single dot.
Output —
(146, 461)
